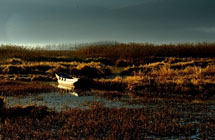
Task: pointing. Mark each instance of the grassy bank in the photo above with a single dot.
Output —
(16, 88)
(18, 69)
(193, 77)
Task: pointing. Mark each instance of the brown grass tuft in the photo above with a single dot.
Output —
(15, 88)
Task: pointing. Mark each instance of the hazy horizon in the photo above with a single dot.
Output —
(38, 22)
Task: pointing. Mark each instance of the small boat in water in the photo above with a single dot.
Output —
(66, 80)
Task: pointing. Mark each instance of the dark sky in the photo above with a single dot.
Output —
(82, 21)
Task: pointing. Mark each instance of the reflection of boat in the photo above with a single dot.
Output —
(68, 89)
(73, 93)
(66, 80)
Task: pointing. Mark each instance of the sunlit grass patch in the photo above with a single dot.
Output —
(14, 61)
(80, 69)
(162, 78)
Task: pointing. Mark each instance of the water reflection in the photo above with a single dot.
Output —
(73, 93)
(68, 89)
(62, 101)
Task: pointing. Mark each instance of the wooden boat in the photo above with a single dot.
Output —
(66, 80)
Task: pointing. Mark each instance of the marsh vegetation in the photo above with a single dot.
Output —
(172, 82)
(184, 121)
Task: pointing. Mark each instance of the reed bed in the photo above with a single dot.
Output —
(35, 54)
(132, 52)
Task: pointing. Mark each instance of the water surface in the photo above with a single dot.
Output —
(62, 101)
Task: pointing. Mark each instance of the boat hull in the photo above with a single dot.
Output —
(66, 81)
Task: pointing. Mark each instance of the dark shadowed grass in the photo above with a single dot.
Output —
(138, 52)
(172, 121)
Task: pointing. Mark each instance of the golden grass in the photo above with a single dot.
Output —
(161, 77)
(80, 69)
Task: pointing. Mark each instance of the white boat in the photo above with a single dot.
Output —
(65, 80)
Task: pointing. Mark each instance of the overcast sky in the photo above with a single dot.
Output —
(82, 21)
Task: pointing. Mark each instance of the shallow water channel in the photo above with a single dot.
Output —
(63, 101)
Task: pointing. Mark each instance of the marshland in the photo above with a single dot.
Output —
(126, 91)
